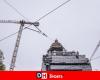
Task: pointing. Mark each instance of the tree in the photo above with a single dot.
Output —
(2, 66)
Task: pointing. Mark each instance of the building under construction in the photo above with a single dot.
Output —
(58, 58)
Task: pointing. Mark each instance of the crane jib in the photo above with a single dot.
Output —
(20, 22)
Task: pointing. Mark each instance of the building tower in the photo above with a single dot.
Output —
(57, 58)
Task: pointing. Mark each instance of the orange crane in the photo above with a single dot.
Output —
(22, 23)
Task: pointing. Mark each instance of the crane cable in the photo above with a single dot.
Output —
(11, 35)
(9, 4)
(17, 12)
(27, 19)
(40, 17)
(53, 10)
(98, 45)
(95, 58)
(8, 36)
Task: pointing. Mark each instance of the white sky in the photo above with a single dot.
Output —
(76, 25)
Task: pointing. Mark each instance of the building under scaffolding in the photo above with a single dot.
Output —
(57, 58)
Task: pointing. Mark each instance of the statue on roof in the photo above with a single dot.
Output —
(56, 46)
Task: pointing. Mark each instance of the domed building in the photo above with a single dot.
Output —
(59, 59)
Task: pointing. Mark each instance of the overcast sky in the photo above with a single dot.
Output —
(76, 25)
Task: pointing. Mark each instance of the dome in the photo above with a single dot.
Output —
(56, 46)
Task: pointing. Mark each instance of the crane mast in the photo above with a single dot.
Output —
(16, 47)
(22, 23)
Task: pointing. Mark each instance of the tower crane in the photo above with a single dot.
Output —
(22, 23)
(98, 45)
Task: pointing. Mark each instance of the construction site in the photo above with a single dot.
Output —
(53, 35)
